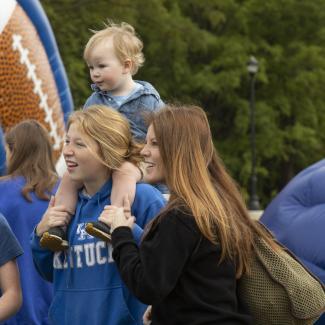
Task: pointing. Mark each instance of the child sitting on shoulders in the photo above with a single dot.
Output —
(113, 55)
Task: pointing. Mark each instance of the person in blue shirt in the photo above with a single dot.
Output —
(113, 55)
(25, 194)
(88, 288)
(10, 290)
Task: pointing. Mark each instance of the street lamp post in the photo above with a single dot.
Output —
(252, 68)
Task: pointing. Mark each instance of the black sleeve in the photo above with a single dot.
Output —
(152, 270)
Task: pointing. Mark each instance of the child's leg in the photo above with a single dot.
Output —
(67, 196)
(67, 193)
(124, 184)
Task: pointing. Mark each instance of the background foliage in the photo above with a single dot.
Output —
(196, 52)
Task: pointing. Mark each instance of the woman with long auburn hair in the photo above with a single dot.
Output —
(25, 193)
(194, 251)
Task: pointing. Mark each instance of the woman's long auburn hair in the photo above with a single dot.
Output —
(199, 183)
(31, 156)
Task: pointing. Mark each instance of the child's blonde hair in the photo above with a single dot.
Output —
(127, 44)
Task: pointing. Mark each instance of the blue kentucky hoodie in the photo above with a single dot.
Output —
(87, 286)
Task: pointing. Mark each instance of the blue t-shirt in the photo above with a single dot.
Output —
(9, 245)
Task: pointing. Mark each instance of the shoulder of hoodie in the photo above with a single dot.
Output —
(149, 193)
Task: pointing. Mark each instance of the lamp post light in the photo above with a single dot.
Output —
(252, 68)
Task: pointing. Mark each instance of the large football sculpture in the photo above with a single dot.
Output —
(33, 83)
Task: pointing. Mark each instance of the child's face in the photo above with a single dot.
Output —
(106, 70)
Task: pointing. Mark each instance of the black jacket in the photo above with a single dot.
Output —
(176, 271)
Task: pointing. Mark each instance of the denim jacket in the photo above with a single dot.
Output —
(146, 99)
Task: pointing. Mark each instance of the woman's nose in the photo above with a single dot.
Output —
(144, 152)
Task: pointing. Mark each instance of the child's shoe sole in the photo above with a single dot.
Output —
(53, 242)
(99, 230)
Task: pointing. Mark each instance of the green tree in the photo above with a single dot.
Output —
(196, 52)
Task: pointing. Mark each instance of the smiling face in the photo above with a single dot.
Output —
(79, 153)
(153, 162)
(106, 70)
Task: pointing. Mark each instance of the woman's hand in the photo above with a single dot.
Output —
(116, 217)
(122, 216)
(54, 216)
(108, 214)
(121, 220)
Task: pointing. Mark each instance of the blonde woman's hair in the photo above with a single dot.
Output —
(127, 44)
(200, 185)
(112, 133)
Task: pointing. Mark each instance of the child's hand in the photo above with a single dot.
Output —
(124, 182)
(122, 216)
(54, 216)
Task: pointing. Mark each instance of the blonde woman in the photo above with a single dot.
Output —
(87, 285)
(194, 251)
